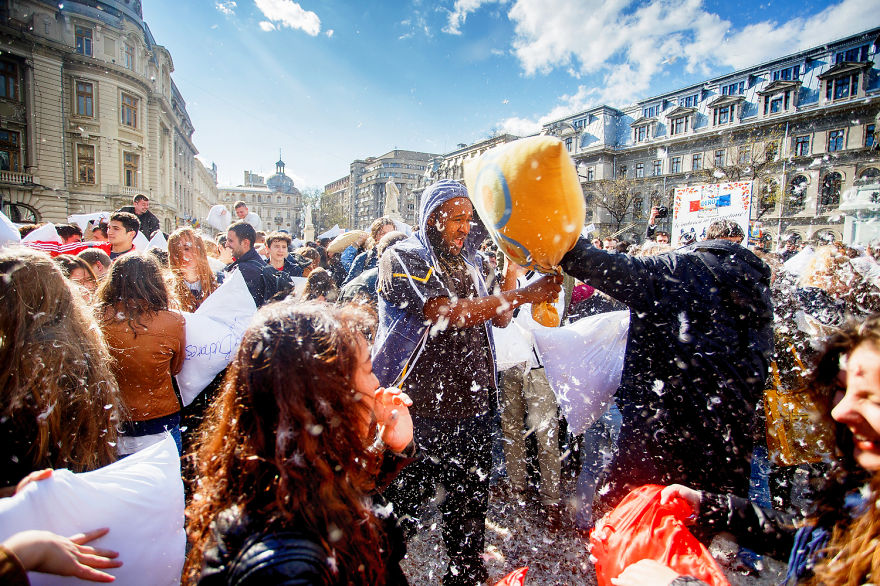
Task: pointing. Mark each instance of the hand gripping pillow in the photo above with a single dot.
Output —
(528, 195)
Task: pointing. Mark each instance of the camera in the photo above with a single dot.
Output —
(662, 212)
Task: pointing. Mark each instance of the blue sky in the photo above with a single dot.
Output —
(330, 81)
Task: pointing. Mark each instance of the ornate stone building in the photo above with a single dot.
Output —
(802, 127)
(277, 201)
(89, 115)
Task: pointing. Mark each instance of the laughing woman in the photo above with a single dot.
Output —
(838, 543)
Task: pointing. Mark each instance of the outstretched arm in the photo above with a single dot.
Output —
(465, 313)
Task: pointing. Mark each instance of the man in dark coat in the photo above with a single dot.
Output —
(260, 278)
(697, 357)
(141, 209)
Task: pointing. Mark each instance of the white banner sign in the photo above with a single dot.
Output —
(697, 206)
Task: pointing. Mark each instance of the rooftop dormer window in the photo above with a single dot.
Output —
(779, 96)
(844, 81)
(855, 54)
(725, 109)
(734, 89)
(644, 129)
(792, 73)
(681, 120)
(651, 111)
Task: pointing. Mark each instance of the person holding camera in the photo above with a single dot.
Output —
(657, 213)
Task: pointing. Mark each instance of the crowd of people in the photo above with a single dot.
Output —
(368, 384)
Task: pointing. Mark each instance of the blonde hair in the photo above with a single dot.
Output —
(830, 269)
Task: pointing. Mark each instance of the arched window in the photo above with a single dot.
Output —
(830, 195)
(259, 199)
(288, 200)
(796, 196)
(870, 173)
(768, 196)
(277, 199)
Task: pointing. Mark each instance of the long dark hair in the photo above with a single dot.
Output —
(176, 243)
(133, 289)
(279, 444)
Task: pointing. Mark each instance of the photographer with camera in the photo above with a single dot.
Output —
(657, 213)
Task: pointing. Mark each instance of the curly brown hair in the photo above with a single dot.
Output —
(59, 396)
(278, 443)
(853, 557)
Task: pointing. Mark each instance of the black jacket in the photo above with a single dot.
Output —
(697, 356)
(244, 553)
(261, 279)
(149, 221)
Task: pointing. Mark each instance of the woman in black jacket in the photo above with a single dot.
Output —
(838, 541)
(293, 454)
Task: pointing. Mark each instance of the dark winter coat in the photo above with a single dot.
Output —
(362, 262)
(697, 356)
(260, 277)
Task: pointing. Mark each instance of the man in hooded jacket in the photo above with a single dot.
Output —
(434, 342)
(697, 356)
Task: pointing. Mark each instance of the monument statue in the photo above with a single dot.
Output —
(309, 229)
(392, 201)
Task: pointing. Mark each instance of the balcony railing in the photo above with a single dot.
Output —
(16, 178)
(122, 190)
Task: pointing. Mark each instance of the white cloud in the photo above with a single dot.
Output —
(764, 40)
(227, 7)
(286, 13)
(329, 33)
(267, 26)
(520, 126)
(459, 13)
(626, 46)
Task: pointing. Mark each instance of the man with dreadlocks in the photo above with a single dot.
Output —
(434, 341)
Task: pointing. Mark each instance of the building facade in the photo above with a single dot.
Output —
(89, 114)
(803, 128)
(363, 191)
(277, 200)
(451, 165)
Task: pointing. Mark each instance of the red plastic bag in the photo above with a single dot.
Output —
(515, 578)
(641, 528)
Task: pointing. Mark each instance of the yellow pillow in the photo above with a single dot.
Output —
(528, 195)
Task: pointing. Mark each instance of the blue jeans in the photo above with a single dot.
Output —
(599, 444)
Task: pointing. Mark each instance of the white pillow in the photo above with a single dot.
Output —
(140, 498)
(213, 334)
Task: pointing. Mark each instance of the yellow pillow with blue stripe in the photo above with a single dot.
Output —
(528, 195)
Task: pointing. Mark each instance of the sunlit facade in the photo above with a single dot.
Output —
(363, 193)
(89, 115)
(276, 200)
(802, 127)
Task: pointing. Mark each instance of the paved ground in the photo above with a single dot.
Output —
(516, 536)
